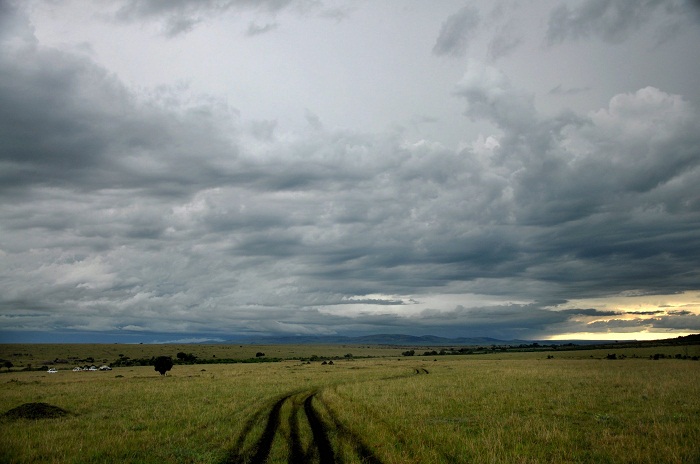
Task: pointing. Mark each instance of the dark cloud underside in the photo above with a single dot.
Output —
(121, 213)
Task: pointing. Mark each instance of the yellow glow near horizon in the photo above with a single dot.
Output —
(689, 301)
(619, 336)
(632, 307)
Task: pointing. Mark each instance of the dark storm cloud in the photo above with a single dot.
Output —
(523, 321)
(506, 322)
(687, 322)
(123, 214)
(514, 321)
(456, 32)
(602, 194)
(679, 313)
(68, 123)
(590, 312)
(34, 103)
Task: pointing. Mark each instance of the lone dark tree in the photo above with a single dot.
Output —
(163, 364)
(8, 365)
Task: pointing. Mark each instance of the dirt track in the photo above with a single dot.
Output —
(282, 422)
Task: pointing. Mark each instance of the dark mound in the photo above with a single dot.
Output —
(35, 411)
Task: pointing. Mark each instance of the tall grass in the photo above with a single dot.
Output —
(465, 409)
(133, 414)
(38, 354)
(531, 411)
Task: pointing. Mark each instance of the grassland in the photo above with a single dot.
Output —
(22, 355)
(496, 408)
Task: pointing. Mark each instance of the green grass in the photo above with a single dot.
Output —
(44, 354)
(37, 355)
(532, 411)
(521, 408)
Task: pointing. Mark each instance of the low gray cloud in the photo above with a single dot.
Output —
(503, 44)
(590, 312)
(614, 21)
(686, 322)
(561, 90)
(124, 215)
(94, 134)
(456, 32)
(182, 16)
(689, 322)
(255, 29)
(508, 322)
(490, 95)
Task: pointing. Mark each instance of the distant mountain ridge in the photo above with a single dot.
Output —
(425, 341)
(432, 340)
(378, 339)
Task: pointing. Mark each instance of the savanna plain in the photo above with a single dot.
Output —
(371, 405)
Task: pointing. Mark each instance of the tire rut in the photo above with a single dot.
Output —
(361, 449)
(319, 431)
(297, 455)
(260, 450)
(320, 449)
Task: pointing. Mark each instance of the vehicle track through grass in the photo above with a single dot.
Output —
(319, 431)
(297, 455)
(321, 448)
(363, 451)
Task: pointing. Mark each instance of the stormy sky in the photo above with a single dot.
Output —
(204, 170)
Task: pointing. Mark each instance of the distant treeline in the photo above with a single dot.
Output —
(489, 349)
(535, 346)
(189, 358)
(125, 361)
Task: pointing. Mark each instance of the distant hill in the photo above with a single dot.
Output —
(378, 339)
(398, 339)
(432, 340)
